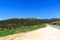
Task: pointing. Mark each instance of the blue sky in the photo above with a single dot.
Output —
(29, 9)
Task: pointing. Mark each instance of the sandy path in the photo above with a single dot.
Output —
(48, 33)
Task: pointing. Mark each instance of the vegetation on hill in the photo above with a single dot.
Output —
(22, 22)
(57, 22)
(16, 25)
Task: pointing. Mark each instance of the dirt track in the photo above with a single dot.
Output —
(48, 33)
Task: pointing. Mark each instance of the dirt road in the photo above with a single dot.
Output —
(50, 32)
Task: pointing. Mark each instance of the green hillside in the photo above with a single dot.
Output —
(17, 25)
(22, 22)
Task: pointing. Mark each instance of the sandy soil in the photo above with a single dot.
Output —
(48, 33)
